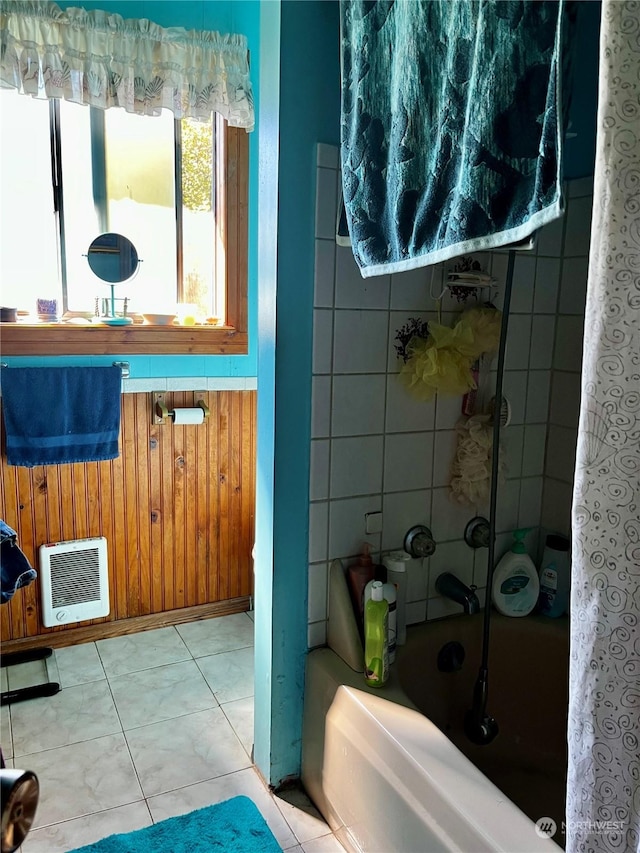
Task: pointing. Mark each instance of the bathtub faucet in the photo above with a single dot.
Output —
(452, 587)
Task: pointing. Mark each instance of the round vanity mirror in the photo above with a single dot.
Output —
(113, 258)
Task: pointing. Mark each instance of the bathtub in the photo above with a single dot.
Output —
(391, 769)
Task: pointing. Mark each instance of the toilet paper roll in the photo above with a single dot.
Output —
(188, 416)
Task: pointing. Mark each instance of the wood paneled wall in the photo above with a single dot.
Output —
(176, 508)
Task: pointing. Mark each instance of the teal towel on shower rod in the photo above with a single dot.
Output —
(451, 137)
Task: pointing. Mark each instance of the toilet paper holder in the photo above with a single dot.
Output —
(162, 413)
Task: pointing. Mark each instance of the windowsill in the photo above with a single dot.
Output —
(65, 339)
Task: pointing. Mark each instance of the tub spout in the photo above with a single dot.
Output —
(452, 587)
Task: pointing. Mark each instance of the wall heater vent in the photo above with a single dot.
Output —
(74, 581)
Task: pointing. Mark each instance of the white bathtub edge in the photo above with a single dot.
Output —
(361, 750)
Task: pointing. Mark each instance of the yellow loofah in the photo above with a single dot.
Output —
(442, 362)
(481, 325)
(437, 365)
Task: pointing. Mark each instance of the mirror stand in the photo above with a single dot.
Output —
(114, 259)
(112, 320)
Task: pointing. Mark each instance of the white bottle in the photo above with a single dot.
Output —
(516, 585)
(396, 563)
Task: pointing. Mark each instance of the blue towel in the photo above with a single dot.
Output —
(451, 136)
(54, 415)
(15, 569)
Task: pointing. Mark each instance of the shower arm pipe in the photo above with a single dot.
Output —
(495, 458)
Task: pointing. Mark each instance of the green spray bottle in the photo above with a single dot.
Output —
(376, 649)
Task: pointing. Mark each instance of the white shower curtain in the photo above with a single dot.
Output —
(603, 796)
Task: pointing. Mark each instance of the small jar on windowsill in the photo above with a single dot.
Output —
(8, 315)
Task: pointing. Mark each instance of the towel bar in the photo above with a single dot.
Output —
(123, 365)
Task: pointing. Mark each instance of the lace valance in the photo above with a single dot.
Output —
(102, 59)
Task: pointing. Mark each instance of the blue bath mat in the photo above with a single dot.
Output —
(235, 826)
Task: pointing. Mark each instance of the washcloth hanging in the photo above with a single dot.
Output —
(451, 127)
(55, 415)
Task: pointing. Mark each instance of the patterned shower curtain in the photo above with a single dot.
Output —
(603, 799)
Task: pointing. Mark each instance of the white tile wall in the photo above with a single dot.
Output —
(318, 575)
(356, 466)
(547, 285)
(324, 282)
(445, 445)
(401, 510)
(565, 398)
(353, 291)
(410, 290)
(189, 383)
(376, 448)
(326, 203)
(318, 527)
(561, 453)
(524, 277)
(320, 406)
(347, 527)
(567, 361)
(328, 156)
(512, 439)
(569, 338)
(578, 228)
(319, 476)
(580, 187)
(405, 413)
(550, 239)
(514, 387)
(573, 291)
(543, 331)
(538, 396)
(556, 507)
(417, 580)
(408, 461)
(322, 340)
(360, 342)
(358, 404)
(535, 442)
(448, 519)
(530, 502)
(518, 342)
(508, 506)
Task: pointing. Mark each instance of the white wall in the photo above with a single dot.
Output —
(374, 448)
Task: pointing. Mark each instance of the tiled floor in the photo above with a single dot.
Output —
(146, 727)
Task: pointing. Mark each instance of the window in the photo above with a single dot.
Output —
(176, 188)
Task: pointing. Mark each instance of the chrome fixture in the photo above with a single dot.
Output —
(419, 542)
(452, 587)
(124, 367)
(476, 533)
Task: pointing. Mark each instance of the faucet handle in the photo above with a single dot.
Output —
(419, 541)
(477, 533)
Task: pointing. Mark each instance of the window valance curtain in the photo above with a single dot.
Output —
(102, 59)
